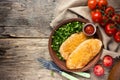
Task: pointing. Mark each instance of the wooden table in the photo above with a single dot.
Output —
(24, 32)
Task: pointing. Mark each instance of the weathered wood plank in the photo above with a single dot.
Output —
(20, 60)
(35, 13)
(8, 0)
(26, 18)
(25, 31)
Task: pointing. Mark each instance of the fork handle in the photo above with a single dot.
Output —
(70, 77)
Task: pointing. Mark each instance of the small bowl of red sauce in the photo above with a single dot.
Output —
(89, 29)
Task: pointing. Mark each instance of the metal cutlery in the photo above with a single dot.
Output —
(52, 66)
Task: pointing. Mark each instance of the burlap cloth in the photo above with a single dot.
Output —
(67, 9)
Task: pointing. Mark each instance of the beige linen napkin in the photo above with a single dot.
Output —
(77, 8)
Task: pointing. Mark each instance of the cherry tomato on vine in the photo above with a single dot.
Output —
(110, 29)
(109, 11)
(102, 4)
(92, 4)
(104, 21)
(116, 18)
(96, 16)
(117, 36)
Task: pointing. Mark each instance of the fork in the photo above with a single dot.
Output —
(52, 66)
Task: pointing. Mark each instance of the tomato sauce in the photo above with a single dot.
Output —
(89, 29)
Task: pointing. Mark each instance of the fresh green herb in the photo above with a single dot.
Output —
(63, 33)
(52, 73)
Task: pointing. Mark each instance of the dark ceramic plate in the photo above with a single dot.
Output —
(62, 64)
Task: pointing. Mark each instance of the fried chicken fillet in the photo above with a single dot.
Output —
(70, 44)
(84, 53)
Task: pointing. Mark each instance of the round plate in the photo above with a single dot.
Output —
(62, 64)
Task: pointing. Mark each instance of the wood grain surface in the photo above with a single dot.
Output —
(24, 32)
(19, 61)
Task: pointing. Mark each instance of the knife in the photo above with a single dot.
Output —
(52, 66)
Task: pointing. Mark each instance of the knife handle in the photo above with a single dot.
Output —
(70, 77)
(83, 74)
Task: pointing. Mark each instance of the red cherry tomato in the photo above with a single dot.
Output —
(104, 21)
(89, 29)
(117, 36)
(109, 11)
(98, 70)
(102, 3)
(116, 18)
(92, 4)
(96, 16)
(107, 61)
(110, 29)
